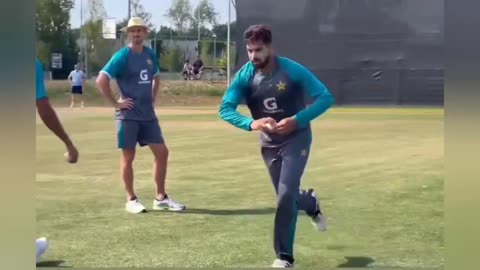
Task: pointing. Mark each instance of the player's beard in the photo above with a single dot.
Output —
(261, 64)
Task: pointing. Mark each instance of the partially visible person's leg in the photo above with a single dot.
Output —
(150, 134)
(160, 153)
(127, 135)
(273, 161)
(72, 100)
(294, 158)
(126, 165)
(81, 97)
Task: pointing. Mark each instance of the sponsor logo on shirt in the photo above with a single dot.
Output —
(144, 77)
(271, 105)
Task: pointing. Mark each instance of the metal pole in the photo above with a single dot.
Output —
(228, 45)
(84, 41)
(86, 58)
(129, 9)
(198, 24)
(215, 51)
(198, 31)
(82, 48)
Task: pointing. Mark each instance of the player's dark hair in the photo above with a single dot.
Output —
(257, 33)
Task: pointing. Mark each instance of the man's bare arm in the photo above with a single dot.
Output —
(103, 84)
(155, 88)
(50, 118)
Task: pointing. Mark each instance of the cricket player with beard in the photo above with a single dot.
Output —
(274, 89)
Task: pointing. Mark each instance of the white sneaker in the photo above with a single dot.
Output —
(319, 220)
(281, 264)
(41, 246)
(167, 204)
(135, 207)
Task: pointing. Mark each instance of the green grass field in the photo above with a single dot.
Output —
(378, 172)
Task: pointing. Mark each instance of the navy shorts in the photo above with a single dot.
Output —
(131, 132)
(77, 89)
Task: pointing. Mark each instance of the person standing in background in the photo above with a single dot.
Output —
(77, 78)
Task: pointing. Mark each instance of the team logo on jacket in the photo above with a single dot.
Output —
(149, 63)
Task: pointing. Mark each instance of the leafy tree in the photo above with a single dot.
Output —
(179, 15)
(203, 13)
(52, 18)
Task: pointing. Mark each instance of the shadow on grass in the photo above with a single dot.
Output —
(222, 212)
(354, 262)
(52, 264)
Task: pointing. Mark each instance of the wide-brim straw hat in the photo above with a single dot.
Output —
(134, 22)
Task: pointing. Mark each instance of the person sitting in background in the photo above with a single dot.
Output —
(198, 68)
(187, 70)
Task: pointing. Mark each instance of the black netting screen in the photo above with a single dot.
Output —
(365, 51)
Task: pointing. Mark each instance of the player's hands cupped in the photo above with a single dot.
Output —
(286, 126)
(123, 104)
(264, 124)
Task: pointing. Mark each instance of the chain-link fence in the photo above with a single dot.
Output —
(173, 53)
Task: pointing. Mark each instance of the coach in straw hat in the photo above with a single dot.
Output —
(136, 29)
(136, 71)
(134, 22)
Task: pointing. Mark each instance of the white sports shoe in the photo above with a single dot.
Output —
(167, 204)
(135, 207)
(281, 264)
(41, 246)
(319, 220)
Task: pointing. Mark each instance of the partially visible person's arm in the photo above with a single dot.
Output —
(232, 98)
(110, 71)
(103, 84)
(49, 117)
(155, 87)
(228, 109)
(156, 78)
(316, 89)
